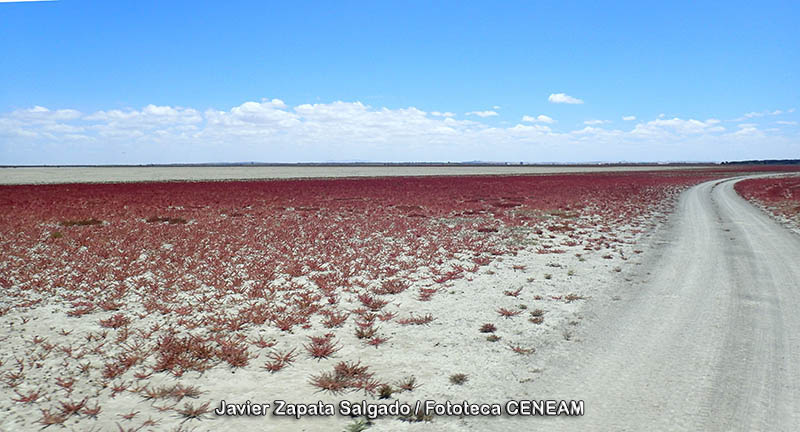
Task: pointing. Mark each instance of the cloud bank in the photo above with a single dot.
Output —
(272, 131)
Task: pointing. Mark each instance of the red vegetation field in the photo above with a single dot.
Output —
(781, 195)
(171, 278)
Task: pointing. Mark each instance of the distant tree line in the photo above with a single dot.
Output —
(764, 162)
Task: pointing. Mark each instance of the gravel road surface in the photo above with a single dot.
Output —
(706, 337)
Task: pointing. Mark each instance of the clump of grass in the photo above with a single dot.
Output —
(80, 222)
(459, 378)
(190, 412)
(366, 332)
(358, 426)
(385, 391)
(407, 384)
(56, 235)
(493, 338)
(548, 276)
(420, 416)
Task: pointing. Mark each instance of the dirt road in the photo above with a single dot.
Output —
(707, 337)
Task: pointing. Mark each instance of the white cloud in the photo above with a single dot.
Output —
(746, 130)
(271, 131)
(541, 118)
(786, 122)
(629, 118)
(564, 98)
(40, 113)
(522, 129)
(595, 122)
(149, 116)
(442, 114)
(483, 114)
(496, 107)
(758, 114)
(763, 113)
(676, 126)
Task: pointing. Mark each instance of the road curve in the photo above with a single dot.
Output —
(709, 341)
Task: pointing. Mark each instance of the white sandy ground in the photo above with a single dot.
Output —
(698, 332)
(39, 175)
(451, 344)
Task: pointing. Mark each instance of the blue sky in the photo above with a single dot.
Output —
(147, 81)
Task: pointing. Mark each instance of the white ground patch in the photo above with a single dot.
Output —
(39, 175)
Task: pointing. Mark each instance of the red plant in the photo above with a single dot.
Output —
(425, 294)
(31, 397)
(345, 376)
(334, 319)
(377, 340)
(779, 195)
(392, 286)
(330, 382)
(279, 361)
(264, 343)
(321, 347)
(49, 419)
(508, 313)
(69, 407)
(116, 321)
(488, 328)
(91, 411)
(233, 352)
(372, 303)
(520, 350)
